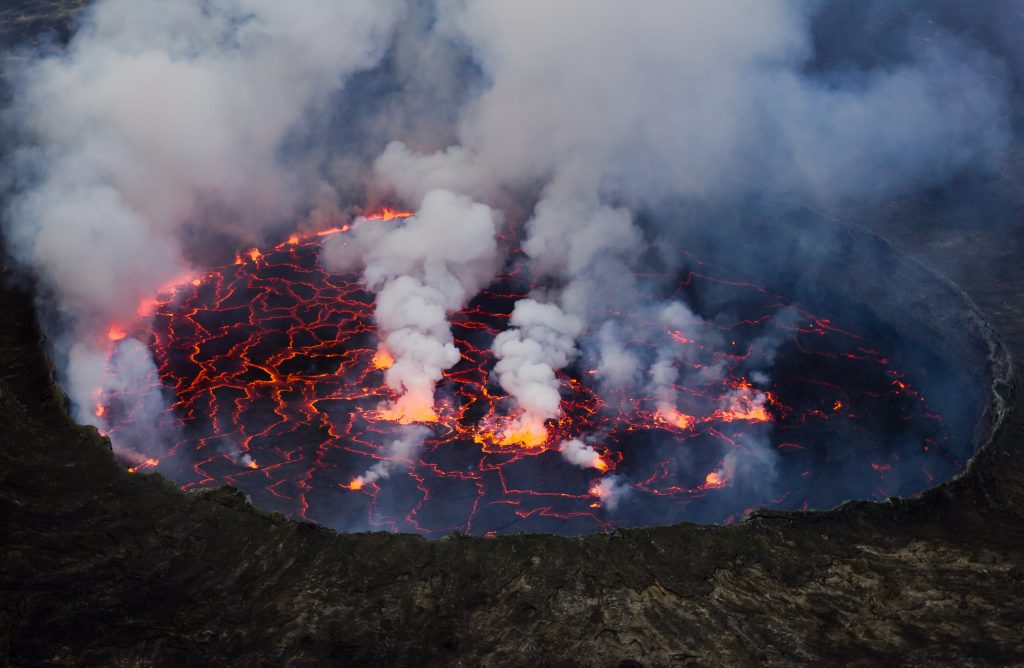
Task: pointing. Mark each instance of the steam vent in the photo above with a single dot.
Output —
(511, 334)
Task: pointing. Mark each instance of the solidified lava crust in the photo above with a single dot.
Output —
(276, 378)
(103, 567)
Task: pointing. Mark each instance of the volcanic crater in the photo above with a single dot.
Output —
(796, 400)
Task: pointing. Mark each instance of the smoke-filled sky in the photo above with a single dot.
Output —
(168, 135)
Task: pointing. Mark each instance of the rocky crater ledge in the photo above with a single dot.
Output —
(102, 567)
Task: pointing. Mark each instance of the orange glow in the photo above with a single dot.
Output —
(382, 359)
(679, 338)
(740, 412)
(528, 437)
(713, 480)
(745, 403)
(149, 463)
(526, 431)
(147, 307)
(253, 254)
(174, 284)
(409, 408)
(408, 414)
(288, 356)
(388, 214)
(677, 419)
(331, 230)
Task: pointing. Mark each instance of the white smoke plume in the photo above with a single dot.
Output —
(161, 126)
(685, 329)
(397, 453)
(424, 268)
(541, 340)
(581, 454)
(165, 125)
(702, 100)
(130, 375)
(618, 366)
(647, 352)
(611, 490)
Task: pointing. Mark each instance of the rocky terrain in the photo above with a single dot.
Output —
(26, 20)
(102, 567)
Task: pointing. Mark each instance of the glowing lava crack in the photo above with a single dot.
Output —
(274, 373)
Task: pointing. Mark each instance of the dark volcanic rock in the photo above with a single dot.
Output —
(29, 19)
(100, 567)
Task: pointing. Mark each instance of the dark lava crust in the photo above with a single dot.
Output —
(100, 567)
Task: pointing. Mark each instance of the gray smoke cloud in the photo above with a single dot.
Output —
(582, 454)
(399, 452)
(159, 122)
(611, 107)
(427, 267)
(163, 126)
(539, 342)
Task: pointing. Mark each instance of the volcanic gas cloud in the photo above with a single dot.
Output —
(287, 381)
(525, 345)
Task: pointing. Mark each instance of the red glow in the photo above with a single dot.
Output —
(273, 358)
(713, 480)
(524, 431)
(409, 409)
(382, 359)
(676, 419)
(147, 464)
(745, 403)
(388, 214)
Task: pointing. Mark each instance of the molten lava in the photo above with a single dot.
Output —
(382, 359)
(115, 333)
(522, 431)
(714, 479)
(271, 359)
(409, 409)
(389, 214)
(675, 418)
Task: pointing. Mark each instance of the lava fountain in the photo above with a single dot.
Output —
(274, 373)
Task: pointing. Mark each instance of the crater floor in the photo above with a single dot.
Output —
(100, 567)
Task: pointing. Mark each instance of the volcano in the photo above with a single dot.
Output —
(274, 373)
